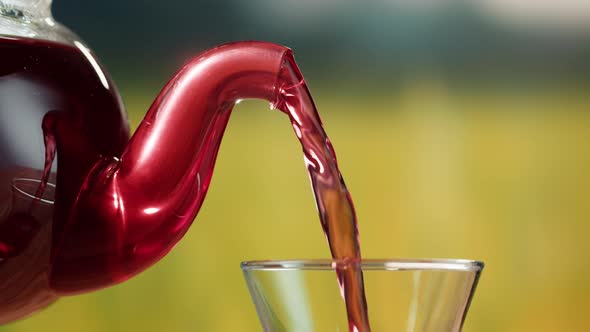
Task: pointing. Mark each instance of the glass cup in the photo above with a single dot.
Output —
(402, 295)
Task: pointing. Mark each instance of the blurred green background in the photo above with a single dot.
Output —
(462, 130)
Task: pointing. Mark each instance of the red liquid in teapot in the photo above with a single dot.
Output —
(58, 96)
(38, 77)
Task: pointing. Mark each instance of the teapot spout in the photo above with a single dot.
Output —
(131, 211)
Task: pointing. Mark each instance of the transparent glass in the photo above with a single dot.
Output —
(402, 295)
(32, 19)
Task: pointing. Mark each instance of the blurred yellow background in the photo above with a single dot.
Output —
(479, 149)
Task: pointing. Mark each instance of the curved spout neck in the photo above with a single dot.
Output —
(188, 112)
(131, 212)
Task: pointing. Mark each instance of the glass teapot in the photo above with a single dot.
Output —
(82, 205)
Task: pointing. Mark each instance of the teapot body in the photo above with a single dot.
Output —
(52, 91)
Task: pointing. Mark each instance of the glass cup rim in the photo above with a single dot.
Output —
(393, 264)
